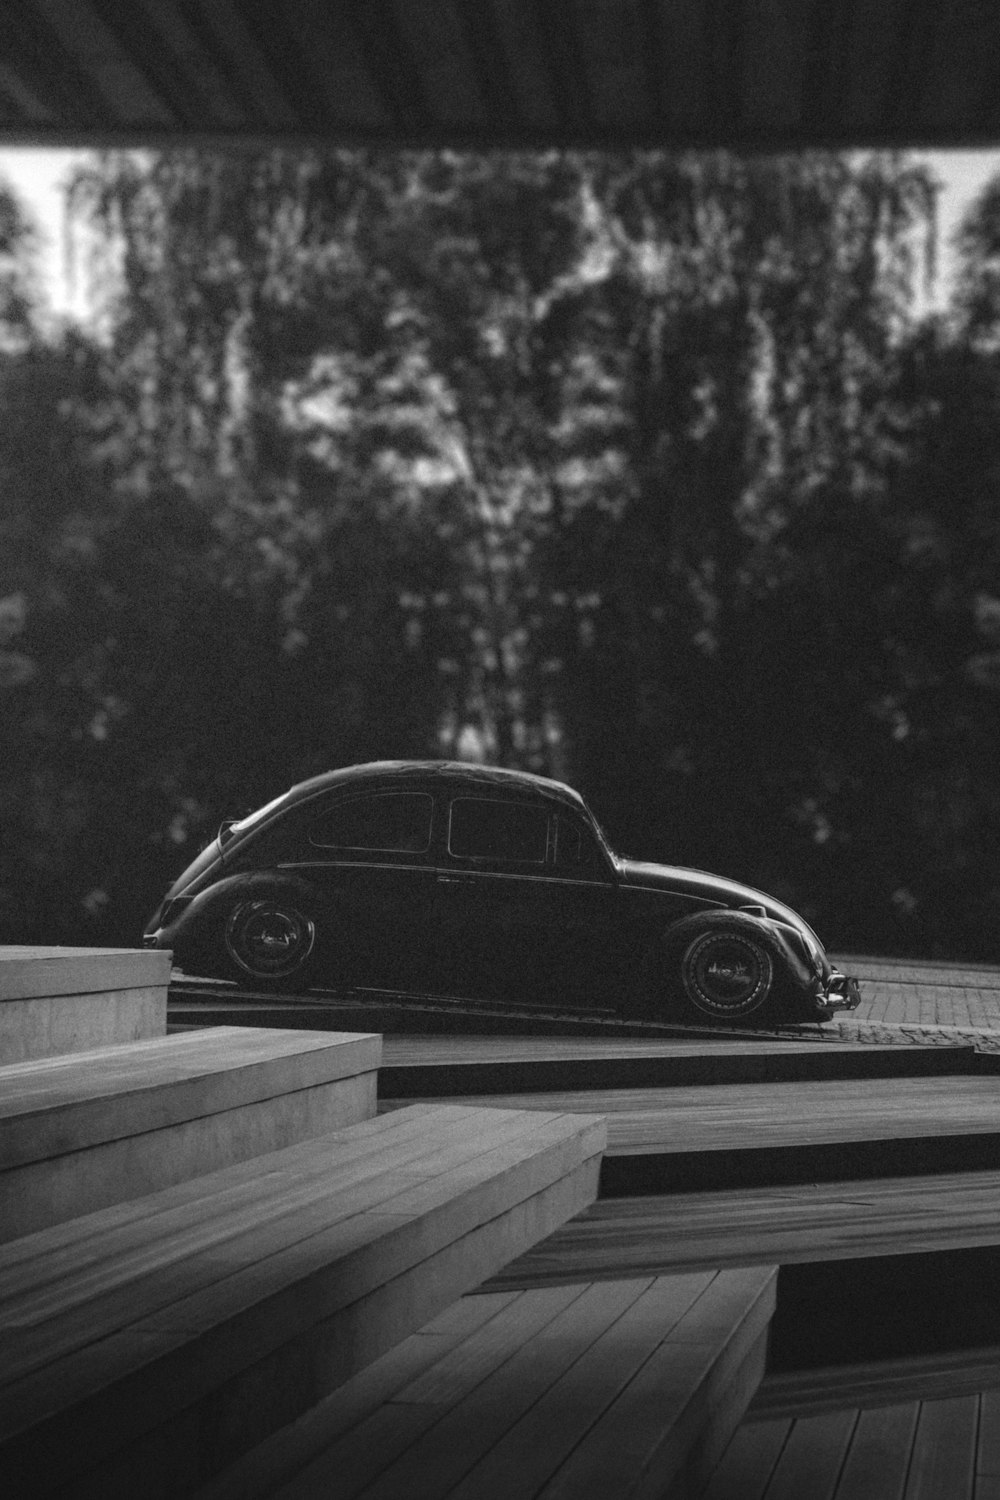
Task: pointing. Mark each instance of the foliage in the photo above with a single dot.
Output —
(634, 470)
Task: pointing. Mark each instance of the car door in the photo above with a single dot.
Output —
(510, 925)
(589, 945)
(368, 857)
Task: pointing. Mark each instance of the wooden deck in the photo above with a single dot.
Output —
(437, 1066)
(89, 1129)
(150, 1342)
(623, 1388)
(806, 1223)
(794, 1153)
(564, 1375)
(946, 1449)
(722, 1135)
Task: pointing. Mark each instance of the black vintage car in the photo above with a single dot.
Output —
(441, 878)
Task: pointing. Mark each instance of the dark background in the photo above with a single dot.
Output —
(638, 470)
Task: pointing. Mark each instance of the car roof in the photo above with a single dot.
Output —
(453, 774)
(382, 774)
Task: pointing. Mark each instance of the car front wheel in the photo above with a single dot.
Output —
(727, 974)
(271, 942)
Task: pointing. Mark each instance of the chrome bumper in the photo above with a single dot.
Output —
(840, 992)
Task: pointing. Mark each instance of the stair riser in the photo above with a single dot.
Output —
(43, 1193)
(624, 1175)
(441, 1081)
(49, 1026)
(729, 1394)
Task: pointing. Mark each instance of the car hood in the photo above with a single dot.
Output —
(706, 887)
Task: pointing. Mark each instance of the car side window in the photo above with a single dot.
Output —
(576, 851)
(502, 832)
(391, 822)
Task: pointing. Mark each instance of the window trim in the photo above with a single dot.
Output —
(368, 849)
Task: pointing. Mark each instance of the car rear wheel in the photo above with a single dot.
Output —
(272, 943)
(727, 974)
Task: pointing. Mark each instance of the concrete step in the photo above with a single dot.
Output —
(56, 1000)
(606, 1389)
(148, 1345)
(88, 1129)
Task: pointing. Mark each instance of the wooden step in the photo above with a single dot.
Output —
(89, 1129)
(56, 1000)
(924, 1377)
(801, 1224)
(690, 1139)
(451, 1066)
(622, 1388)
(147, 1345)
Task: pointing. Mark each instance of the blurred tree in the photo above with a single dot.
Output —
(945, 516)
(727, 648)
(634, 470)
(51, 618)
(257, 569)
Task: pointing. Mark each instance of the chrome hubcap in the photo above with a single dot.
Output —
(727, 974)
(269, 941)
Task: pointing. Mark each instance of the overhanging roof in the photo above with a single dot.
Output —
(770, 74)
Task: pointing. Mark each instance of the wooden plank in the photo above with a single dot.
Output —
(880, 1383)
(203, 1437)
(77, 1183)
(415, 1067)
(878, 1460)
(706, 1368)
(118, 1231)
(200, 1273)
(338, 1311)
(409, 1050)
(82, 1132)
(118, 1292)
(749, 1461)
(687, 1139)
(258, 1473)
(727, 1117)
(812, 1457)
(53, 1105)
(988, 1448)
(112, 1250)
(27, 971)
(577, 1400)
(944, 1450)
(607, 1383)
(807, 1222)
(468, 1429)
(355, 1437)
(722, 1419)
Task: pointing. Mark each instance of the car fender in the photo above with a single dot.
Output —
(199, 927)
(789, 966)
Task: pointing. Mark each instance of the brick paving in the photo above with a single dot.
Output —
(908, 1001)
